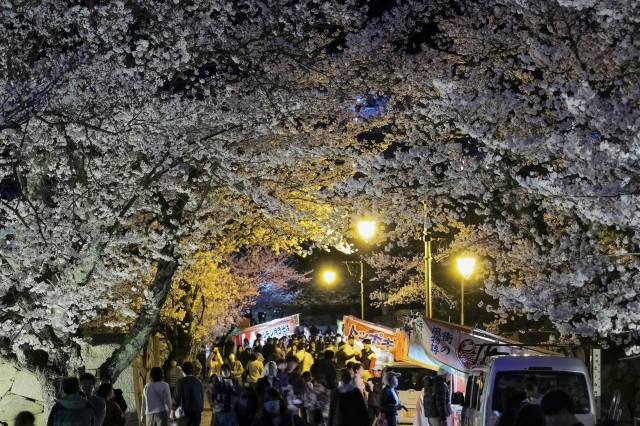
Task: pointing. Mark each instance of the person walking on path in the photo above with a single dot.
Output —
(175, 373)
(389, 400)
(374, 387)
(156, 400)
(274, 412)
(72, 408)
(255, 367)
(88, 386)
(118, 398)
(113, 414)
(236, 367)
(436, 399)
(327, 368)
(222, 396)
(270, 380)
(188, 397)
(347, 407)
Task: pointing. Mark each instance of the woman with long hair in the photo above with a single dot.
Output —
(246, 406)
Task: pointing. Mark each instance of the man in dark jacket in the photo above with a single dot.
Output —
(189, 396)
(347, 407)
(269, 381)
(374, 387)
(326, 367)
(118, 396)
(437, 399)
(72, 409)
(368, 356)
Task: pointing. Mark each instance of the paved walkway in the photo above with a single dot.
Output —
(206, 413)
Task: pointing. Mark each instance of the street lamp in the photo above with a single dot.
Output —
(366, 229)
(465, 267)
(329, 276)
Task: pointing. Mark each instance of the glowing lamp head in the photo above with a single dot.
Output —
(466, 266)
(366, 228)
(329, 277)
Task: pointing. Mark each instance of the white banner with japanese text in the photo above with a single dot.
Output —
(277, 328)
(449, 345)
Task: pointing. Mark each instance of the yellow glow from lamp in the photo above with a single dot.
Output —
(466, 266)
(329, 276)
(366, 228)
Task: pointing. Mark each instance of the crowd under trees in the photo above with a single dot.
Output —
(145, 145)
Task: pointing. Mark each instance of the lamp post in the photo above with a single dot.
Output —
(427, 272)
(366, 229)
(465, 267)
(426, 237)
(384, 296)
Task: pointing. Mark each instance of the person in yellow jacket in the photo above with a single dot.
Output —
(215, 362)
(305, 358)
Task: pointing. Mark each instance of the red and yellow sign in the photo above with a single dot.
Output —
(381, 337)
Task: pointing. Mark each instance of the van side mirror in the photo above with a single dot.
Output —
(457, 398)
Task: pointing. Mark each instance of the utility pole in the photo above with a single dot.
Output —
(361, 288)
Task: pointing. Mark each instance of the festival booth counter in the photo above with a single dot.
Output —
(277, 328)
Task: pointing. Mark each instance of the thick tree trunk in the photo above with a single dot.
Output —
(182, 331)
(146, 324)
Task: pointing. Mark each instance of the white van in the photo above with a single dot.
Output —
(487, 380)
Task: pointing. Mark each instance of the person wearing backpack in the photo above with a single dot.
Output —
(437, 399)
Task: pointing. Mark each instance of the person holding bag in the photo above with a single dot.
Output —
(390, 401)
(156, 400)
(188, 398)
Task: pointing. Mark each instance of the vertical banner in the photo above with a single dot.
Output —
(381, 337)
(277, 328)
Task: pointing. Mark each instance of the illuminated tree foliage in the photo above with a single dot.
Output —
(519, 118)
(210, 293)
(134, 133)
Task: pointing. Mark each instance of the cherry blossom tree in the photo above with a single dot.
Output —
(134, 133)
(212, 292)
(518, 118)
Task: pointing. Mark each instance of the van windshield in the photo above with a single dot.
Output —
(412, 377)
(575, 384)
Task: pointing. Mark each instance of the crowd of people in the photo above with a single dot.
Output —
(294, 381)
(87, 402)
